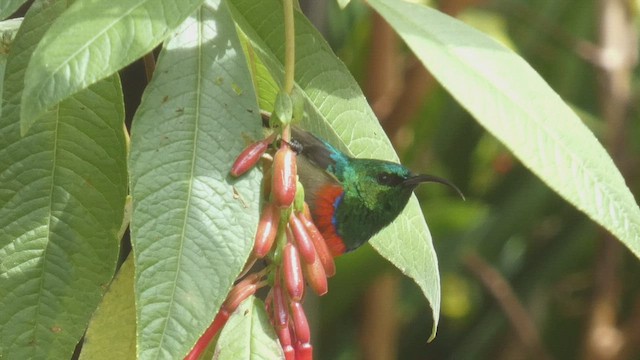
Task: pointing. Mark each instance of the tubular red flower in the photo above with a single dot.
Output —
(249, 157)
(267, 230)
(280, 311)
(322, 250)
(280, 320)
(292, 272)
(305, 246)
(316, 276)
(300, 324)
(284, 176)
(284, 335)
(304, 351)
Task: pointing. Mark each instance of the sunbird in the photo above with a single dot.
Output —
(352, 199)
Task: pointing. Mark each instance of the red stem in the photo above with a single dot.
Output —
(219, 321)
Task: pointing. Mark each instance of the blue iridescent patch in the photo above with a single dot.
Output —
(336, 203)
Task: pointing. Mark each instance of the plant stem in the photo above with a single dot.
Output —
(289, 46)
(514, 310)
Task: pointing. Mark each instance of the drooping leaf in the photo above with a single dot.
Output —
(62, 196)
(248, 335)
(192, 226)
(112, 330)
(337, 111)
(75, 53)
(515, 104)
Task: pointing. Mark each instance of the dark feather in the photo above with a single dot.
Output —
(318, 152)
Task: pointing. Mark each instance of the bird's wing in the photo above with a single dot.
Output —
(318, 152)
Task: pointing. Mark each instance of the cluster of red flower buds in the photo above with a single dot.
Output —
(290, 243)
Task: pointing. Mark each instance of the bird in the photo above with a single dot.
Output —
(352, 199)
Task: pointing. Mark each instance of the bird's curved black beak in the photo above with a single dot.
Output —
(416, 180)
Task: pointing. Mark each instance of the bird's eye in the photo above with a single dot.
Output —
(388, 179)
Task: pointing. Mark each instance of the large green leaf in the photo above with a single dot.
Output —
(36, 22)
(76, 52)
(515, 104)
(62, 196)
(192, 226)
(8, 7)
(337, 110)
(248, 335)
(112, 330)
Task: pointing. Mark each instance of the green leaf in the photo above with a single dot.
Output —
(36, 22)
(112, 330)
(8, 30)
(62, 196)
(337, 111)
(192, 225)
(248, 335)
(8, 7)
(515, 104)
(75, 53)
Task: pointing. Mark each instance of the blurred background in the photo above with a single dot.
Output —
(524, 274)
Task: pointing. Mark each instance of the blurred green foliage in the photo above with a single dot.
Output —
(544, 248)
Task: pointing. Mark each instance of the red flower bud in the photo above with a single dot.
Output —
(316, 277)
(304, 351)
(284, 176)
(322, 250)
(292, 272)
(284, 335)
(267, 230)
(305, 246)
(289, 352)
(249, 157)
(280, 311)
(300, 324)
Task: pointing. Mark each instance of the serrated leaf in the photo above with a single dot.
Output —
(63, 189)
(75, 53)
(112, 330)
(337, 111)
(248, 335)
(516, 105)
(192, 226)
(8, 7)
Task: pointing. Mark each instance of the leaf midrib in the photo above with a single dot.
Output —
(48, 227)
(191, 175)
